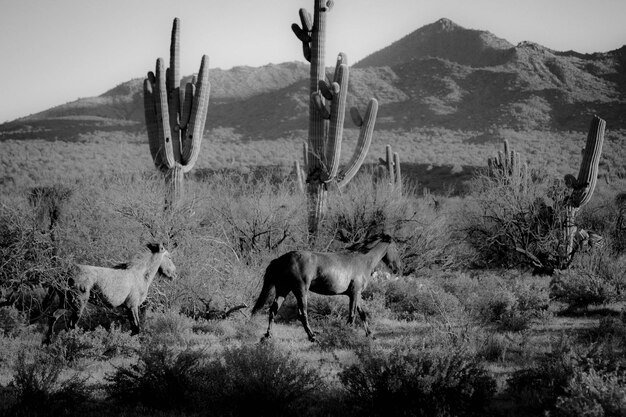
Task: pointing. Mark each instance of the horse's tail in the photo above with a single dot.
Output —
(268, 286)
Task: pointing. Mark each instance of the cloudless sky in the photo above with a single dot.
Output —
(55, 51)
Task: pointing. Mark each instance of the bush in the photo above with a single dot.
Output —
(596, 279)
(508, 301)
(594, 393)
(418, 382)
(335, 333)
(412, 299)
(512, 221)
(262, 379)
(40, 389)
(161, 379)
(168, 327)
(12, 321)
(75, 345)
(538, 387)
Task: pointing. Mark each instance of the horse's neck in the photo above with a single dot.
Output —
(150, 269)
(376, 254)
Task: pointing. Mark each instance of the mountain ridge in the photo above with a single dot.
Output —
(439, 75)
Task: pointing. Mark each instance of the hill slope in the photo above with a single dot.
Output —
(441, 75)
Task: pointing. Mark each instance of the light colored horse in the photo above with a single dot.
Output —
(328, 274)
(126, 284)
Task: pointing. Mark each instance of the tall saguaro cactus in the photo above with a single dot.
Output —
(326, 116)
(583, 186)
(175, 117)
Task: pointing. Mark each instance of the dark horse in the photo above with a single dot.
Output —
(126, 284)
(325, 273)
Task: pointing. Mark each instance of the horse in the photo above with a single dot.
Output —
(326, 273)
(125, 284)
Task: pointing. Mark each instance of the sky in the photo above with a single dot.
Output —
(56, 51)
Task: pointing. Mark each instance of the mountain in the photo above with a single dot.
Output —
(441, 75)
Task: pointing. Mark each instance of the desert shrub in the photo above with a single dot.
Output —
(508, 301)
(162, 378)
(366, 206)
(258, 215)
(42, 391)
(12, 321)
(596, 278)
(77, 345)
(494, 347)
(613, 329)
(29, 258)
(411, 299)
(430, 237)
(537, 388)
(336, 333)
(168, 327)
(512, 221)
(594, 393)
(263, 379)
(418, 382)
(71, 346)
(524, 305)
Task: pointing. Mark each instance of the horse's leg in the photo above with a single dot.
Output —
(278, 301)
(77, 303)
(352, 308)
(301, 298)
(54, 315)
(133, 316)
(363, 315)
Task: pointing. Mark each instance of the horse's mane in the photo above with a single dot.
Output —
(369, 242)
(140, 257)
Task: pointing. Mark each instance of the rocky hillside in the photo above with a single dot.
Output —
(440, 75)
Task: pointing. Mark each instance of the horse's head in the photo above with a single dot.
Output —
(166, 267)
(392, 258)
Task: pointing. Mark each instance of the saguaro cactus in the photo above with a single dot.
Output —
(326, 122)
(392, 165)
(507, 163)
(508, 167)
(175, 117)
(583, 186)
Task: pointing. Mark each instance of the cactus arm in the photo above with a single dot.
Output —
(337, 117)
(193, 138)
(505, 156)
(166, 152)
(304, 33)
(185, 111)
(363, 144)
(317, 124)
(398, 172)
(305, 156)
(151, 118)
(389, 161)
(173, 89)
(342, 59)
(300, 33)
(318, 100)
(299, 176)
(588, 173)
(583, 186)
